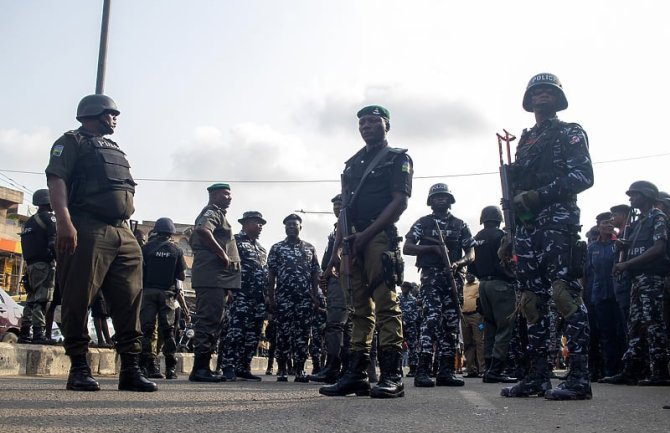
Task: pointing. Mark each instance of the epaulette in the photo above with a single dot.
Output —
(397, 150)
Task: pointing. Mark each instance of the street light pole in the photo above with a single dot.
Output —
(102, 54)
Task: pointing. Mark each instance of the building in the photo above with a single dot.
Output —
(11, 225)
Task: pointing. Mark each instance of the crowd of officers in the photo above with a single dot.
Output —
(528, 287)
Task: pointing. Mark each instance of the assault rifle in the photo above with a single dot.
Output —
(450, 273)
(508, 194)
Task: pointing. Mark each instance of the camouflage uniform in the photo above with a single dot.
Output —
(440, 313)
(552, 159)
(247, 311)
(294, 264)
(410, 326)
(317, 332)
(646, 296)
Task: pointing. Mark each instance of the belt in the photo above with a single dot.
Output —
(108, 221)
(469, 313)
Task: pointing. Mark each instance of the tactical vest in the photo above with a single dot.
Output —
(102, 167)
(451, 234)
(160, 263)
(641, 241)
(35, 239)
(537, 168)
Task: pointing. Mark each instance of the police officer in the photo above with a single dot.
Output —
(410, 325)
(441, 323)
(163, 265)
(92, 193)
(552, 166)
(338, 314)
(376, 185)
(38, 243)
(620, 219)
(647, 263)
(496, 295)
(247, 310)
(293, 282)
(215, 275)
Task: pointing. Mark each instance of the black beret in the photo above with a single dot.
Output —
(292, 217)
(374, 110)
(620, 208)
(336, 199)
(603, 216)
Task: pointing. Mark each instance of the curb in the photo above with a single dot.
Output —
(38, 360)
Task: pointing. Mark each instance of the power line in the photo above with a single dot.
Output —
(438, 176)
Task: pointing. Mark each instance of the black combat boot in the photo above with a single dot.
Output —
(228, 374)
(201, 371)
(244, 373)
(300, 375)
(153, 371)
(268, 371)
(281, 371)
(390, 381)
(354, 380)
(170, 367)
(625, 377)
(130, 375)
(496, 373)
(445, 375)
(24, 333)
(40, 337)
(536, 381)
(345, 355)
(659, 374)
(329, 373)
(577, 385)
(412, 370)
(422, 379)
(80, 378)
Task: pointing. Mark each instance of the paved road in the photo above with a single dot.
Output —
(43, 404)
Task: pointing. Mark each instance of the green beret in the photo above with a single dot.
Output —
(374, 110)
(292, 217)
(218, 186)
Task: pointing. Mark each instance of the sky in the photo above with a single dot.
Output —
(263, 94)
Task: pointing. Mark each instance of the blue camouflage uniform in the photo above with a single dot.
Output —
(440, 324)
(410, 326)
(247, 311)
(294, 265)
(552, 159)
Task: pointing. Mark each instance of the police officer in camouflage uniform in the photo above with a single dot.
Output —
(376, 185)
(247, 310)
(410, 325)
(38, 243)
(92, 192)
(215, 276)
(293, 282)
(441, 323)
(338, 314)
(647, 263)
(552, 166)
(163, 265)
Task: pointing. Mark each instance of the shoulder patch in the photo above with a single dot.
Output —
(57, 150)
(209, 213)
(406, 167)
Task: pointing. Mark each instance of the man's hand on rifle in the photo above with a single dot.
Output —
(333, 266)
(358, 242)
(527, 202)
(457, 265)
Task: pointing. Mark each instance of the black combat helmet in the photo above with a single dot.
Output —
(41, 197)
(95, 105)
(440, 188)
(491, 213)
(645, 188)
(548, 80)
(165, 225)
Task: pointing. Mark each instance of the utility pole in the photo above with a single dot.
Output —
(102, 53)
